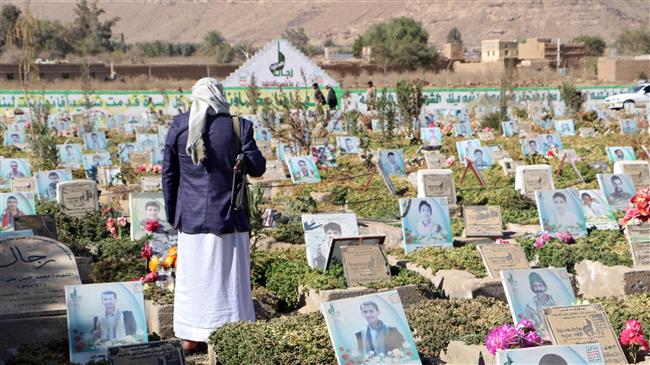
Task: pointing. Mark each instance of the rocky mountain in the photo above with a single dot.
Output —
(258, 21)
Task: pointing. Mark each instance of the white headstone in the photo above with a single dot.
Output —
(532, 178)
(77, 197)
(638, 170)
(437, 183)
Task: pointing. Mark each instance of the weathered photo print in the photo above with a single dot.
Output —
(303, 170)
(561, 211)
(425, 223)
(320, 229)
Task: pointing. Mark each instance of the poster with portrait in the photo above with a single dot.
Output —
(462, 129)
(462, 146)
(102, 316)
(347, 144)
(550, 142)
(147, 141)
(629, 126)
(46, 182)
(263, 134)
(15, 138)
(529, 291)
(565, 127)
(284, 150)
(561, 211)
(70, 155)
(598, 213)
(351, 323)
(324, 155)
(618, 189)
(585, 354)
(620, 153)
(95, 160)
(11, 168)
(320, 229)
(510, 128)
(530, 146)
(95, 141)
(377, 125)
(425, 223)
(125, 150)
(393, 162)
(15, 205)
(480, 156)
(157, 155)
(544, 121)
(431, 136)
(145, 208)
(303, 170)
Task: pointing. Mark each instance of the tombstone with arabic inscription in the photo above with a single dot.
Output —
(33, 274)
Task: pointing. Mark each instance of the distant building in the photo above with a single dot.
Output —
(453, 51)
(543, 52)
(497, 50)
(623, 69)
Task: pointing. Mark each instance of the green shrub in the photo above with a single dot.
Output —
(491, 120)
(464, 258)
(118, 260)
(571, 97)
(622, 309)
(608, 247)
(289, 230)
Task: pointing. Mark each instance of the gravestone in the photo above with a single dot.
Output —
(33, 274)
(151, 183)
(509, 166)
(42, 225)
(638, 236)
(482, 221)
(580, 324)
(140, 158)
(486, 135)
(274, 172)
(532, 178)
(587, 132)
(639, 171)
(157, 353)
(23, 185)
(77, 197)
(437, 183)
(502, 257)
(364, 264)
(435, 160)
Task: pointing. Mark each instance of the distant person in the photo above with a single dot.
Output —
(318, 95)
(370, 96)
(332, 101)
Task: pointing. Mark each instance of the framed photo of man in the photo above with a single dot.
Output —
(284, 150)
(147, 141)
(629, 126)
(463, 146)
(320, 229)
(431, 136)
(147, 209)
(70, 155)
(462, 129)
(510, 128)
(11, 168)
(95, 141)
(392, 162)
(15, 205)
(102, 316)
(15, 138)
(597, 211)
(370, 329)
(425, 223)
(618, 189)
(620, 153)
(347, 144)
(124, 150)
(480, 156)
(303, 170)
(46, 182)
(96, 160)
(565, 127)
(263, 134)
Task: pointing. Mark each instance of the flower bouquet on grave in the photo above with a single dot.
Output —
(158, 266)
(149, 169)
(633, 341)
(116, 224)
(639, 212)
(507, 336)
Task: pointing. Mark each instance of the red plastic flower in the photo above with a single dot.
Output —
(151, 225)
(146, 251)
(150, 277)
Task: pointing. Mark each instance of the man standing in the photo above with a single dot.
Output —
(213, 269)
(318, 95)
(370, 96)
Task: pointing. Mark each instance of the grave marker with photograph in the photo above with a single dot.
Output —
(338, 242)
(347, 144)
(14, 205)
(320, 229)
(585, 354)
(70, 155)
(392, 162)
(620, 153)
(303, 170)
(618, 189)
(532, 178)
(425, 223)
(46, 182)
(597, 211)
(561, 211)
(638, 236)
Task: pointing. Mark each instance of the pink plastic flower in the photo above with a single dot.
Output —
(501, 241)
(633, 325)
(122, 221)
(501, 338)
(539, 243)
(110, 223)
(146, 251)
(531, 339)
(150, 277)
(525, 324)
(451, 161)
(565, 237)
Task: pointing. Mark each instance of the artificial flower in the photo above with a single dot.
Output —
(153, 263)
(565, 237)
(501, 241)
(146, 251)
(501, 338)
(150, 277)
(122, 221)
(151, 225)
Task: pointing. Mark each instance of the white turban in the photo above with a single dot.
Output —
(206, 93)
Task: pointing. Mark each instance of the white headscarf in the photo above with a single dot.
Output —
(206, 93)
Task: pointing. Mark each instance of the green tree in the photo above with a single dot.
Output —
(571, 97)
(634, 41)
(400, 41)
(215, 46)
(454, 36)
(53, 36)
(88, 33)
(8, 18)
(594, 45)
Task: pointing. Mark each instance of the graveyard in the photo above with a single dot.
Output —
(483, 225)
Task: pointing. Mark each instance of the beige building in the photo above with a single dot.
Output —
(624, 69)
(453, 51)
(496, 50)
(545, 49)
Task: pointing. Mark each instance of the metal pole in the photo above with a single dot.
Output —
(557, 66)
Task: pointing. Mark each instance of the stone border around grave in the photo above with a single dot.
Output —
(598, 280)
(160, 318)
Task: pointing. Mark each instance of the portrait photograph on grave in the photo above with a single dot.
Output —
(620, 153)
(157, 155)
(529, 291)
(338, 242)
(12, 168)
(561, 211)
(531, 146)
(629, 126)
(102, 316)
(385, 177)
(263, 134)
(284, 150)
(584, 324)
(109, 176)
(125, 150)
(363, 264)
(510, 128)
(147, 141)
(147, 210)
(324, 155)
(14, 138)
(498, 257)
(70, 155)
(550, 142)
(482, 220)
(320, 229)
(370, 329)
(15, 205)
(480, 156)
(46, 182)
(95, 141)
(425, 223)
(347, 144)
(462, 129)
(377, 125)
(95, 160)
(431, 136)
(565, 127)
(463, 146)
(392, 162)
(597, 211)
(436, 183)
(303, 170)
(585, 354)
(618, 189)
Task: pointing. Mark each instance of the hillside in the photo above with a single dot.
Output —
(260, 21)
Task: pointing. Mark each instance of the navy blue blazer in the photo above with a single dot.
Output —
(197, 197)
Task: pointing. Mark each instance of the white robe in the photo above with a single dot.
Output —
(212, 283)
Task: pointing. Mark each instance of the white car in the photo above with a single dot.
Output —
(638, 97)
